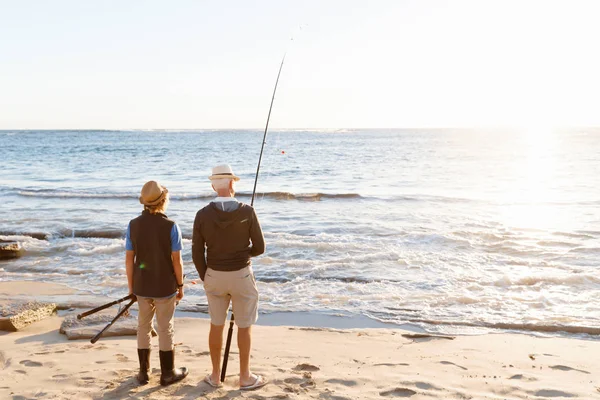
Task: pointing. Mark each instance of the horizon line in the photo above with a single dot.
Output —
(498, 127)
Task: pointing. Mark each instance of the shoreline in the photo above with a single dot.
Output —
(70, 300)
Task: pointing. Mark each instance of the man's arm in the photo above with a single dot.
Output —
(256, 236)
(129, 259)
(198, 249)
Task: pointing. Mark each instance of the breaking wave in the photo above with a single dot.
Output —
(511, 326)
(62, 194)
(68, 233)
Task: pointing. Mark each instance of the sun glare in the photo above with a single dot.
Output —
(534, 172)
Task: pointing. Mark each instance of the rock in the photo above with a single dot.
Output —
(10, 250)
(16, 316)
(88, 327)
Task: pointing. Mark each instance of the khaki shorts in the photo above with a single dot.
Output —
(237, 286)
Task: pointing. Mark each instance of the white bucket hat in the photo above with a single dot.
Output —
(223, 172)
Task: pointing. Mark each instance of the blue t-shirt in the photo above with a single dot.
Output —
(176, 244)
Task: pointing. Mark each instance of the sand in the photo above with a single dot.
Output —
(305, 363)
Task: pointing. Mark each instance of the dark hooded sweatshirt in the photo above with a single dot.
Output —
(229, 238)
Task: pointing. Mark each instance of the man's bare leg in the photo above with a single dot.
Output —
(245, 343)
(215, 342)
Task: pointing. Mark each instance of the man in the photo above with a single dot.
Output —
(155, 276)
(231, 233)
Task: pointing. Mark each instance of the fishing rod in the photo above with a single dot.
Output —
(112, 303)
(131, 297)
(123, 311)
(265, 135)
(230, 331)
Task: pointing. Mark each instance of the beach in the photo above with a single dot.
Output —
(300, 363)
(486, 243)
(417, 217)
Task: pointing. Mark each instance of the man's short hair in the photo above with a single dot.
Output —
(221, 183)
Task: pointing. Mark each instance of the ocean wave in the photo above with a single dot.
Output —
(577, 235)
(510, 326)
(555, 243)
(275, 195)
(585, 250)
(34, 235)
(342, 279)
(93, 233)
(64, 194)
(69, 233)
(106, 249)
(60, 194)
(531, 280)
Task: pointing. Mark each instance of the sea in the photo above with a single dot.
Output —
(459, 231)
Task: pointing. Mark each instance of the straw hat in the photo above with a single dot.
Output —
(223, 172)
(152, 193)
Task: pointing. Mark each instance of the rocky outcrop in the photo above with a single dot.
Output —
(10, 250)
(15, 316)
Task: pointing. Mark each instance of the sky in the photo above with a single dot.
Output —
(193, 64)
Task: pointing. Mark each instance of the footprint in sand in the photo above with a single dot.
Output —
(398, 392)
(553, 393)
(29, 363)
(4, 361)
(122, 358)
(329, 396)
(60, 376)
(94, 346)
(522, 377)
(426, 386)
(21, 371)
(300, 381)
(203, 353)
(259, 397)
(344, 382)
(306, 367)
(391, 365)
(451, 363)
(565, 368)
(291, 389)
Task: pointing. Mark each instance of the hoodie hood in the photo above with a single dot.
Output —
(225, 218)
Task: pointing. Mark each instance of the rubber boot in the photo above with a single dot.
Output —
(168, 373)
(144, 357)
